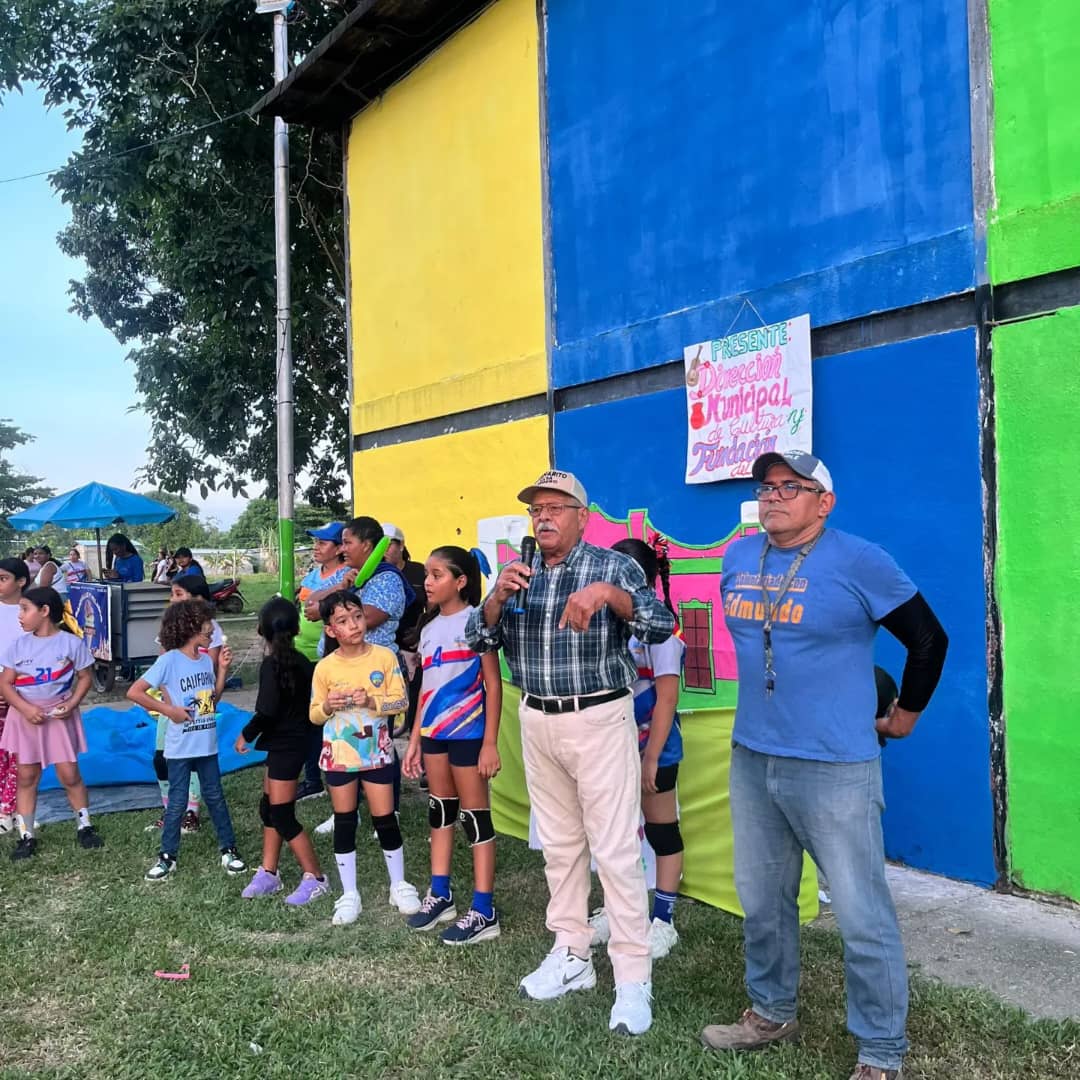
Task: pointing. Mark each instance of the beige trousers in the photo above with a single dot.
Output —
(584, 778)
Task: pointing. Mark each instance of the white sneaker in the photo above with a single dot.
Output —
(560, 973)
(632, 1012)
(663, 937)
(405, 898)
(347, 908)
(231, 862)
(601, 928)
(326, 827)
(7, 823)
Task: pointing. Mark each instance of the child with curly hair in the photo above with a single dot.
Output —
(185, 675)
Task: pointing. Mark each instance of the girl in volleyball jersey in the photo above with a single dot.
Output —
(656, 694)
(457, 738)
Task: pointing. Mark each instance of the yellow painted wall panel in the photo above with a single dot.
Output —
(445, 229)
(436, 489)
(502, 382)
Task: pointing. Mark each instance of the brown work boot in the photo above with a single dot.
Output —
(872, 1072)
(752, 1032)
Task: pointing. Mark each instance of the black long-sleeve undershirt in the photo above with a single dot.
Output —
(280, 720)
(916, 627)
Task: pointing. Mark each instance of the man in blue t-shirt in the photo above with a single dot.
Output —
(803, 604)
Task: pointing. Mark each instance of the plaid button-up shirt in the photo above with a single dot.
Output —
(548, 662)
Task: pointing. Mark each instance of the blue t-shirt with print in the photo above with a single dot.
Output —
(385, 590)
(823, 704)
(189, 684)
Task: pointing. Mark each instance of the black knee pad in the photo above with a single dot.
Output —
(664, 838)
(476, 824)
(345, 832)
(161, 768)
(389, 831)
(283, 818)
(442, 813)
(264, 812)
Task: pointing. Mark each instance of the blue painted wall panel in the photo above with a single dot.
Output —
(815, 156)
(898, 427)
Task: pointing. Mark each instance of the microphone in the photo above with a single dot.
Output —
(528, 551)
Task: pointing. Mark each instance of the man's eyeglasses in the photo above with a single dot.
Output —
(551, 508)
(787, 490)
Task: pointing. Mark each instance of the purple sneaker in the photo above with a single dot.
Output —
(262, 884)
(310, 888)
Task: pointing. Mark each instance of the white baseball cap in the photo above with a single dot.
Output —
(390, 530)
(802, 464)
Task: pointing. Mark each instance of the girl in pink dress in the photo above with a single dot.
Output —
(14, 577)
(46, 674)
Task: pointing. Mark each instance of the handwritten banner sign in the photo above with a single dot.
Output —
(747, 394)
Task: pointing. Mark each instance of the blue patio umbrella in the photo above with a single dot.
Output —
(93, 506)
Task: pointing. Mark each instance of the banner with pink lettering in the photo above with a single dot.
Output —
(747, 394)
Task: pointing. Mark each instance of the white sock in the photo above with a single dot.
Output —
(23, 829)
(83, 817)
(346, 868)
(395, 864)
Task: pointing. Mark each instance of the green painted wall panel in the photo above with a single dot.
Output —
(1035, 226)
(1037, 380)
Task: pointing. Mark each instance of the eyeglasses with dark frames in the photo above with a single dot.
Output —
(787, 490)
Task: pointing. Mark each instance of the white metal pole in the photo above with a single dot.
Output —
(283, 321)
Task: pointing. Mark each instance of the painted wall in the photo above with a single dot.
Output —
(815, 156)
(1035, 227)
(915, 488)
(436, 489)
(1038, 382)
(445, 230)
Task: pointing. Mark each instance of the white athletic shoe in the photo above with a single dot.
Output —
(560, 973)
(663, 937)
(7, 823)
(404, 897)
(326, 827)
(632, 1012)
(347, 908)
(601, 928)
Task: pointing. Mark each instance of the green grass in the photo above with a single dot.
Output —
(257, 589)
(277, 993)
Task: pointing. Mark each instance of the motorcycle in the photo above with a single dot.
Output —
(227, 596)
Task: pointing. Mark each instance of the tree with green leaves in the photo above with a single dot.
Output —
(171, 198)
(187, 529)
(18, 491)
(260, 517)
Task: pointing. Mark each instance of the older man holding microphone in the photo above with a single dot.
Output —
(563, 619)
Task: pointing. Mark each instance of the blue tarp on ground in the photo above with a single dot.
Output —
(120, 746)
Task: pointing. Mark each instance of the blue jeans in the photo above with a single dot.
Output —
(180, 770)
(781, 807)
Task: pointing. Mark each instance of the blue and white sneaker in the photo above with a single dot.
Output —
(165, 865)
(471, 929)
(434, 910)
